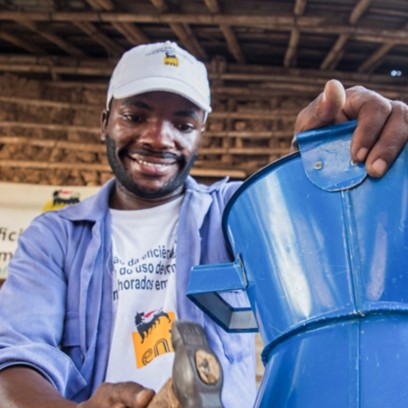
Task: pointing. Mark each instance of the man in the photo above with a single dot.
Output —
(91, 285)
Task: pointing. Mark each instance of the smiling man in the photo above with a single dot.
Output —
(94, 288)
(152, 142)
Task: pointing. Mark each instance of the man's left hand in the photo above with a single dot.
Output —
(382, 128)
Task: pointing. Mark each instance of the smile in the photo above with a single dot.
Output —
(166, 159)
(151, 164)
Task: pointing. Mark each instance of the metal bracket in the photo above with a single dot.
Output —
(207, 280)
(326, 157)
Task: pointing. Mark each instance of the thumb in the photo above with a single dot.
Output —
(326, 109)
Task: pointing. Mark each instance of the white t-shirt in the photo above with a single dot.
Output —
(144, 294)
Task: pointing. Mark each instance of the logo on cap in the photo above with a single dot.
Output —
(171, 59)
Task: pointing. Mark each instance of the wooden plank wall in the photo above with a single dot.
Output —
(50, 133)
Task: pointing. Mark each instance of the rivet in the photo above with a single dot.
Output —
(318, 165)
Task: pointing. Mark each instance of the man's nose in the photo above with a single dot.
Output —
(158, 134)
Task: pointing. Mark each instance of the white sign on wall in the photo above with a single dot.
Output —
(21, 203)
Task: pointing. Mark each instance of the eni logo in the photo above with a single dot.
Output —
(61, 198)
(171, 59)
(153, 336)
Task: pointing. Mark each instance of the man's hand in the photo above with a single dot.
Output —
(22, 387)
(120, 395)
(382, 129)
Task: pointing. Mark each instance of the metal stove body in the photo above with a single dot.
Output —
(322, 253)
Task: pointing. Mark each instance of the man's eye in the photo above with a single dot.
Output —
(185, 127)
(135, 118)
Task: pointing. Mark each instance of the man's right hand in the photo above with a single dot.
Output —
(120, 395)
(23, 387)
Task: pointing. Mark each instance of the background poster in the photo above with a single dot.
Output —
(20, 203)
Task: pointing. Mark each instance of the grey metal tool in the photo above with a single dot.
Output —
(197, 373)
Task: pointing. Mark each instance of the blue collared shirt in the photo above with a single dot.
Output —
(56, 304)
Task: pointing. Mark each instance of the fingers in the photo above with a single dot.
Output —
(372, 111)
(143, 398)
(382, 124)
(120, 395)
(381, 132)
(325, 110)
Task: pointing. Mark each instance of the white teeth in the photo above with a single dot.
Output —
(150, 164)
(154, 165)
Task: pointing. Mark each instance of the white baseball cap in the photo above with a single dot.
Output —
(160, 67)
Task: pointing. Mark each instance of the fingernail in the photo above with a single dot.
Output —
(380, 167)
(362, 154)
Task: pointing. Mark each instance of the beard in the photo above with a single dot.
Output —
(124, 178)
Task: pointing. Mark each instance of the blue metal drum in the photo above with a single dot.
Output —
(322, 253)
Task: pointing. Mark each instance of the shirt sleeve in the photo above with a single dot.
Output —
(32, 306)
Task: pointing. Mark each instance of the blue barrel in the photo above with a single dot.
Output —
(322, 253)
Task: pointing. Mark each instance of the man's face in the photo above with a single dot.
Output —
(152, 141)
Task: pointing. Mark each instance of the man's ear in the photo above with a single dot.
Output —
(104, 124)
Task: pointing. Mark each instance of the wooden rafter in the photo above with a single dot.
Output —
(337, 51)
(183, 32)
(133, 34)
(300, 7)
(377, 56)
(269, 80)
(64, 45)
(232, 41)
(313, 25)
(160, 5)
(92, 31)
(21, 44)
(291, 51)
(187, 38)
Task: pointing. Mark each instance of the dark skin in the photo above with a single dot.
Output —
(153, 152)
(382, 129)
(152, 141)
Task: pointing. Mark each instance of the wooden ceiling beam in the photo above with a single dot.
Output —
(189, 40)
(291, 51)
(183, 32)
(359, 9)
(314, 25)
(377, 56)
(233, 43)
(229, 35)
(335, 54)
(269, 81)
(337, 51)
(106, 4)
(92, 31)
(64, 45)
(160, 5)
(102, 68)
(300, 7)
(213, 6)
(267, 21)
(21, 44)
(132, 34)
